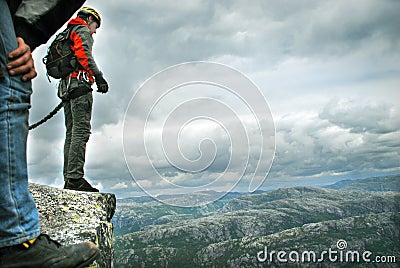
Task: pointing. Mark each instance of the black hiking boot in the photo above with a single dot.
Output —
(79, 185)
(45, 252)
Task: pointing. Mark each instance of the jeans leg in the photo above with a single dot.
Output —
(19, 220)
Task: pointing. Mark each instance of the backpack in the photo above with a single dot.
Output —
(60, 59)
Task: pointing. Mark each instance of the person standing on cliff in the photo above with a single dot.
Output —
(24, 25)
(76, 92)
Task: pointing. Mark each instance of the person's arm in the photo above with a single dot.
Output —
(37, 20)
(82, 47)
(21, 61)
(83, 43)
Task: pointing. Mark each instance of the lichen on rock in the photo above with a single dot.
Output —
(71, 217)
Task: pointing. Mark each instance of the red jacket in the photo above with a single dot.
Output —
(82, 47)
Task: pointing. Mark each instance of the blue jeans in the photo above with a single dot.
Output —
(19, 220)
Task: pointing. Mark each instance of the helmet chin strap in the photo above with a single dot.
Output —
(89, 22)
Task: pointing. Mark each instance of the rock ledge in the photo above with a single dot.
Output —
(71, 217)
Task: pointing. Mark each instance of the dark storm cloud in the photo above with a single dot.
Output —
(344, 137)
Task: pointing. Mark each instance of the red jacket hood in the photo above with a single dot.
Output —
(78, 21)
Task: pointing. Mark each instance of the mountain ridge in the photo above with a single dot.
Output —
(185, 237)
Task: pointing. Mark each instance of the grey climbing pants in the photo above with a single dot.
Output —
(78, 113)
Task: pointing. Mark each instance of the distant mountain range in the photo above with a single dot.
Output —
(242, 230)
(375, 184)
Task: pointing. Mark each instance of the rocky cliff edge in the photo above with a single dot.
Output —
(71, 217)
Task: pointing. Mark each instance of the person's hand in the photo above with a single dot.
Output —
(21, 61)
(101, 83)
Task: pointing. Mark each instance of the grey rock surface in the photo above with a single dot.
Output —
(71, 217)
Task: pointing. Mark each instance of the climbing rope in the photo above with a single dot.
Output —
(47, 117)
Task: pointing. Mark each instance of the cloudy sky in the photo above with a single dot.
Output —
(328, 73)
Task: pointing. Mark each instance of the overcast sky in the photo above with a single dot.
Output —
(328, 70)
